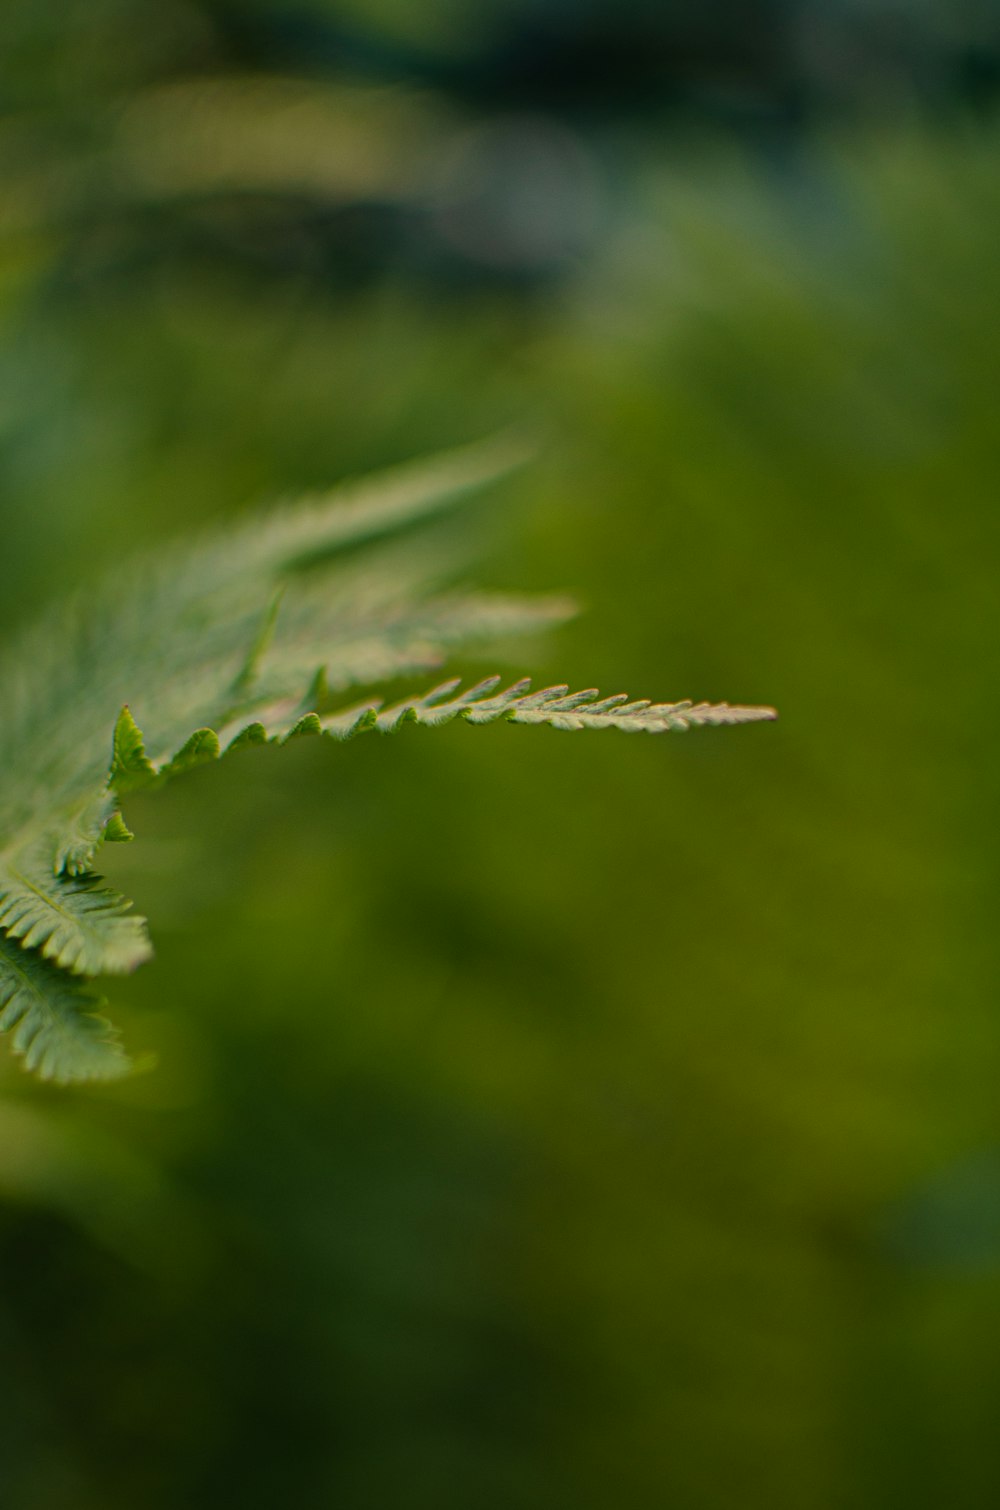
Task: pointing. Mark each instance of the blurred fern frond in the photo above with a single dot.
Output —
(243, 637)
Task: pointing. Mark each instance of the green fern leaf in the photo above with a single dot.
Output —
(130, 766)
(54, 1020)
(95, 820)
(77, 922)
(241, 639)
(560, 708)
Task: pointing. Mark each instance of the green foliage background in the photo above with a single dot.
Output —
(583, 1123)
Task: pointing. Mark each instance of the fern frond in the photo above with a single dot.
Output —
(77, 922)
(480, 704)
(243, 638)
(55, 1021)
(184, 637)
(556, 706)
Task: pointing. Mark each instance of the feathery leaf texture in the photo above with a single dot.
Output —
(244, 637)
(55, 1020)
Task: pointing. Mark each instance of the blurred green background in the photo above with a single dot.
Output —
(539, 1121)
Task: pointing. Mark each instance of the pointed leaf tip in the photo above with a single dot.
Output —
(130, 766)
(202, 747)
